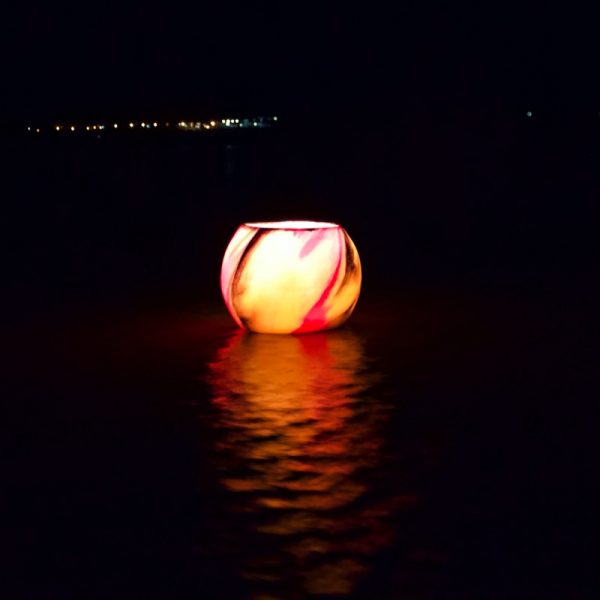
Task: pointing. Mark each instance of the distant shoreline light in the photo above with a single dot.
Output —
(199, 126)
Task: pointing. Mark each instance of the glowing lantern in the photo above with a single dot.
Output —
(290, 276)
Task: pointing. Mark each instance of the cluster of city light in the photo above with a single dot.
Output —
(228, 123)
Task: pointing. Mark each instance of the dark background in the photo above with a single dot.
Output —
(409, 127)
(63, 60)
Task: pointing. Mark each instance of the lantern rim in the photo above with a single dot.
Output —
(292, 225)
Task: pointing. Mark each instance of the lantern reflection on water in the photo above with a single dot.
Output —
(290, 276)
(298, 446)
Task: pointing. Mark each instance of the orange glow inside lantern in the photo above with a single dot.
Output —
(290, 276)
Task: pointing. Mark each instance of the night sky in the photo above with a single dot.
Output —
(96, 59)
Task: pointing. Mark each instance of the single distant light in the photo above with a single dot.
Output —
(29, 129)
(115, 125)
(72, 128)
(57, 128)
(290, 276)
(37, 130)
(529, 113)
(131, 124)
(212, 123)
(143, 124)
(274, 118)
(155, 124)
(94, 127)
(87, 128)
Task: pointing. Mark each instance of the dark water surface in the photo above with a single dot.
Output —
(413, 453)
(437, 446)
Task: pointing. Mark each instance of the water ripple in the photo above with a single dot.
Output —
(300, 451)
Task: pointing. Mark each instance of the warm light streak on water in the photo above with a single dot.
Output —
(299, 444)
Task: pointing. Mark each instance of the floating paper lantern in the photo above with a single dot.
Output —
(290, 276)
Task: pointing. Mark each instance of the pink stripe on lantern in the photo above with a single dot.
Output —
(316, 318)
(313, 241)
(230, 266)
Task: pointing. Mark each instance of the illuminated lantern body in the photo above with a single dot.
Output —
(290, 276)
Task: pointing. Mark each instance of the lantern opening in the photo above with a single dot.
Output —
(292, 225)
